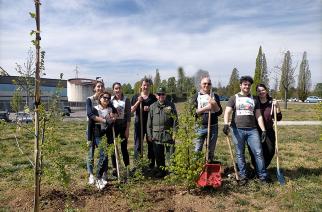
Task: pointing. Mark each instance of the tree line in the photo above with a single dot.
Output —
(282, 78)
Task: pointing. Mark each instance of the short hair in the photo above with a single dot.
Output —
(246, 79)
(116, 83)
(146, 79)
(204, 76)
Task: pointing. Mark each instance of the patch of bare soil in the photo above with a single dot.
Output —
(148, 196)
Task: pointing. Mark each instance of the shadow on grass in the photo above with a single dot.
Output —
(294, 174)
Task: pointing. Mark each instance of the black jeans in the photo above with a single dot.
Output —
(137, 144)
(120, 131)
(268, 147)
(159, 153)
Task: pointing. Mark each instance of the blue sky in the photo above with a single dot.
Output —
(123, 40)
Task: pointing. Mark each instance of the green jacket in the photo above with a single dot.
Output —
(162, 121)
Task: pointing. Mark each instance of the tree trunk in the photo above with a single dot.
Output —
(285, 98)
(37, 103)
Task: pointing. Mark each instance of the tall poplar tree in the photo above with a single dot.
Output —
(233, 85)
(171, 85)
(287, 76)
(261, 75)
(156, 81)
(265, 79)
(181, 81)
(304, 79)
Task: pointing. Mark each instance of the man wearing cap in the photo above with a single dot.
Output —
(205, 101)
(162, 122)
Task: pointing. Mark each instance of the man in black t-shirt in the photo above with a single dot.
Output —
(245, 111)
(146, 99)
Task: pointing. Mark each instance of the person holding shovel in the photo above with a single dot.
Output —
(122, 123)
(141, 105)
(161, 124)
(205, 101)
(105, 111)
(245, 111)
(266, 106)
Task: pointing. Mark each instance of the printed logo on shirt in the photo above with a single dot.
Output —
(202, 100)
(244, 106)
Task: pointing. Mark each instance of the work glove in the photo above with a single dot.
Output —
(263, 137)
(226, 129)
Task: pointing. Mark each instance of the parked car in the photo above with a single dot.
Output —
(293, 99)
(4, 115)
(66, 111)
(24, 117)
(67, 108)
(313, 99)
(223, 98)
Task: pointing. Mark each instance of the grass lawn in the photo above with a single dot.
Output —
(301, 159)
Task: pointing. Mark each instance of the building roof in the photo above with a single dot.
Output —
(43, 81)
(81, 81)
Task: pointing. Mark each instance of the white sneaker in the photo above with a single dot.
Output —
(104, 182)
(99, 184)
(91, 179)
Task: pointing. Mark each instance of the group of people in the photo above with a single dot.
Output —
(156, 121)
(110, 116)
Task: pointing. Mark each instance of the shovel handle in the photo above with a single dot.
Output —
(116, 155)
(141, 128)
(276, 138)
(232, 158)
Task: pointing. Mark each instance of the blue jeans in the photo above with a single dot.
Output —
(251, 136)
(202, 136)
(102, 162)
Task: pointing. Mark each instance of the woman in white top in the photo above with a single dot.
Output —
(122, 124)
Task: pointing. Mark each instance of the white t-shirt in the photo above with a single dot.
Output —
(103, 113)
(119, 105)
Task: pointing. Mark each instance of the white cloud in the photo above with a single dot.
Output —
(77, 34)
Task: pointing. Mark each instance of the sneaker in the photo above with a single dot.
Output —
(104, 182)
(114, 173)
(91, 179)
(266, 180)
(251, 174)
(160, 174)
(243, 181)
(100, 184)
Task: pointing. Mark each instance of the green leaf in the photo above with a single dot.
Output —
(33, 15)
(32, 32)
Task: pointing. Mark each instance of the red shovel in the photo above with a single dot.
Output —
(211, 173)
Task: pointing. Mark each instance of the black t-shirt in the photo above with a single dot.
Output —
(146, 102)
(244, 109)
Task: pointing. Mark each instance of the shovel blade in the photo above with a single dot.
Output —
(280, 177)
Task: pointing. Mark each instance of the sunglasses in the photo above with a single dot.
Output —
(161, 94)
(207, 83)
(106, 97)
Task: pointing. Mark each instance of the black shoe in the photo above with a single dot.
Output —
(251, 174)
(243, 181)
(160, 174)
(266, 180)
(114, 173)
